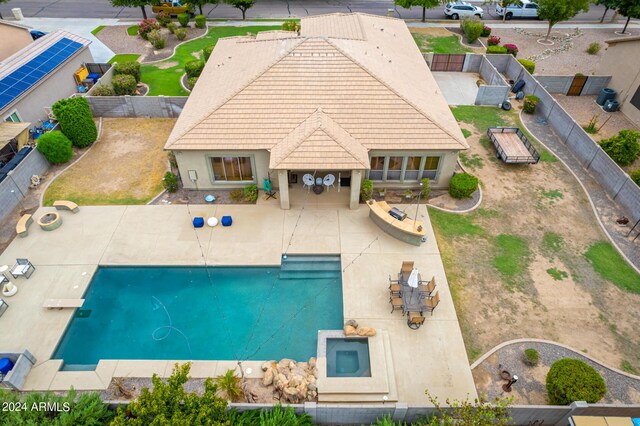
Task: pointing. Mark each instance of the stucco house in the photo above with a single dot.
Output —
(349, 95)
(14, 37)
(39, 74)
(621, 60)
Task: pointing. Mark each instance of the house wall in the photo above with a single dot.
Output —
(621, 60)
(60, 84)
(446, 167)
(13, 40)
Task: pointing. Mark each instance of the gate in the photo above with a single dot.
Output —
(577, 85)
(445, 62)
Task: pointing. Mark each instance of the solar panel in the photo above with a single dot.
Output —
(20, 80)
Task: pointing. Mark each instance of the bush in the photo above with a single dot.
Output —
(426, 188)
(201, 21)
(528, 65)
(206, 52)
(512, 49)
(183, 18)
(103, 90)
(462, 185)
(530, 104)
(531, 357)
(170, 182)
(124, 84)
(635, 176)
(172, 27)
(291, 25)
(366, 191)
(157, 40)
(129, 68)
(76, 120)
(191, 82)
(250, 192)
(163, 18)
(180, 33)
(493, 41)
(623, 148)
(570, 380)
(146, 26)
(486, 31)
(56, 147)
(236, 194)
(194, 68)
(593, 48)
(472, 28)
(496, 50)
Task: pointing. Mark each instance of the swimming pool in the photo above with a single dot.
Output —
(198, 313)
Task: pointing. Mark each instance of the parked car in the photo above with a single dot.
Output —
(173, 8)
(36, 34)
(460, 9)
(520, 9)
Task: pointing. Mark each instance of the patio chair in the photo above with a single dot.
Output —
(396, 304)
(431, 303)
(394, 290)
(328, 181)
(405, 271)
(268, 190)
(426, 290)
(308, 181)
(415, 320)
(22, 268)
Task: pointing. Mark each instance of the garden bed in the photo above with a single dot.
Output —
(192, 196)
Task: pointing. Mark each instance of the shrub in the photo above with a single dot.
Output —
(512, 49)
(180, 33)
(191, 82)
(103, 90)
(194, 68)
(635, 176)
(472, 28)
(163, 18)
(291, 25)
(366, 191)
(250, 192)
(206, 52)
(623, 148)
(528, 65)
(129, 68)
(76, 120)
(56, 147)
(172, 27)
(157, 40)
(570, 380)
(493, 41)
(124, 84)
(236, 194)
(593, 48)
(531, 357)
(170, 182)
(462, 185)
(183, 18)
(146, 26)
(426, 188)
(201, 21)
(530, 104)
(486, 31)
(496, 50)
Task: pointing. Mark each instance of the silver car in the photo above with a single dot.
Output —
(461, 9)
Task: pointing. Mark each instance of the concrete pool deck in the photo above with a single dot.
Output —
(432, 357)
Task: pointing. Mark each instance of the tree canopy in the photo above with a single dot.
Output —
(424, 4)
(628, 8)
(133, 3)
(608, 4)
(201, 3)
(243, 5)
(555, 11)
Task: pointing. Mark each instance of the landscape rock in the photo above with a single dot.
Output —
(352, 323)
(350, 330)
(294, 382)
(366, 331)
(267, 365)
(268, 377)
(312, 362)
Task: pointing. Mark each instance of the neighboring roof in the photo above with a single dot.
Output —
(10, 130)
(14, 24)
(31, 65)
(366, 74)
(622, 40)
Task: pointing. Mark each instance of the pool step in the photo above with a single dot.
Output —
(310, 267)
(79, 367)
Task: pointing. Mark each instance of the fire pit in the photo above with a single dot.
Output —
(50, 221)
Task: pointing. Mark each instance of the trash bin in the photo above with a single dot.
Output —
(605, 95)
(611, 105)
(391, 12)
(5, 365)
(17, 13)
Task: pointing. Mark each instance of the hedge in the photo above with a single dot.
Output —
(496, 50)
(191, 82)
(530, 104)
(103, 90)
(201, 21)
(183, 18)
(570, 380)
(129, 68)
(206, 52)
(528, 65)
(124, 84)
(194, 68)
(76, 120)
(462, 185)
(56, 147)
(623, 148)
(170, 182)
(366, 190)
(472, 29)
(635, 176)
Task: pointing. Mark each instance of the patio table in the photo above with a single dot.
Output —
(411, 300)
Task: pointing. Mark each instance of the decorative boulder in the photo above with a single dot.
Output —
(268, 377)
(267, 365)
(350, 330)
(366, 331)
(312, 362)
(352, 323)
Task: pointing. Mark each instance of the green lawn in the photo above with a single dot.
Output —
(164, 77)
(512, 257)
(451, 225)
(432, 44)
(607, 262)
(97, 29)
(132, 31)
(124, 57)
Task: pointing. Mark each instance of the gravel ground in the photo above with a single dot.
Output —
(565, 58)
(531, 389)
(192, 196)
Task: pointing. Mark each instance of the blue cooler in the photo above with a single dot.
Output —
(5, 365)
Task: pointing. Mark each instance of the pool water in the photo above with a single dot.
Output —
(348, 357)
(197, 313)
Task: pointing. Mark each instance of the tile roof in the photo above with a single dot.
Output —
(365, 73)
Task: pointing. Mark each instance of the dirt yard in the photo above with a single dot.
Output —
(125, 166)
(516, 266)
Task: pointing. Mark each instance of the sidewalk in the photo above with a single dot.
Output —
(608, 210)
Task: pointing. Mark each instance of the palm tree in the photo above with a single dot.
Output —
(230, 385)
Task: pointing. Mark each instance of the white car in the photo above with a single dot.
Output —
(461, 9)
(520, 9)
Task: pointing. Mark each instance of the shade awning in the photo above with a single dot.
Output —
(10, 130)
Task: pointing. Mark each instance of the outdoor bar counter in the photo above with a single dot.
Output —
(406, 230)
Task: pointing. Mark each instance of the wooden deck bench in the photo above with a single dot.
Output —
(22, 228)
(66, 205)
(62, 303)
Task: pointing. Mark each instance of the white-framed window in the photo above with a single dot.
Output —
(232, 168)
(14, 117)
(410, 168)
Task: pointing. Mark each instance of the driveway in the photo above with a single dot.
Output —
(458, 88)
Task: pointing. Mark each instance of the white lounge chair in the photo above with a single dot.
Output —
(308, 181)
(329, 180)
(22, 268)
